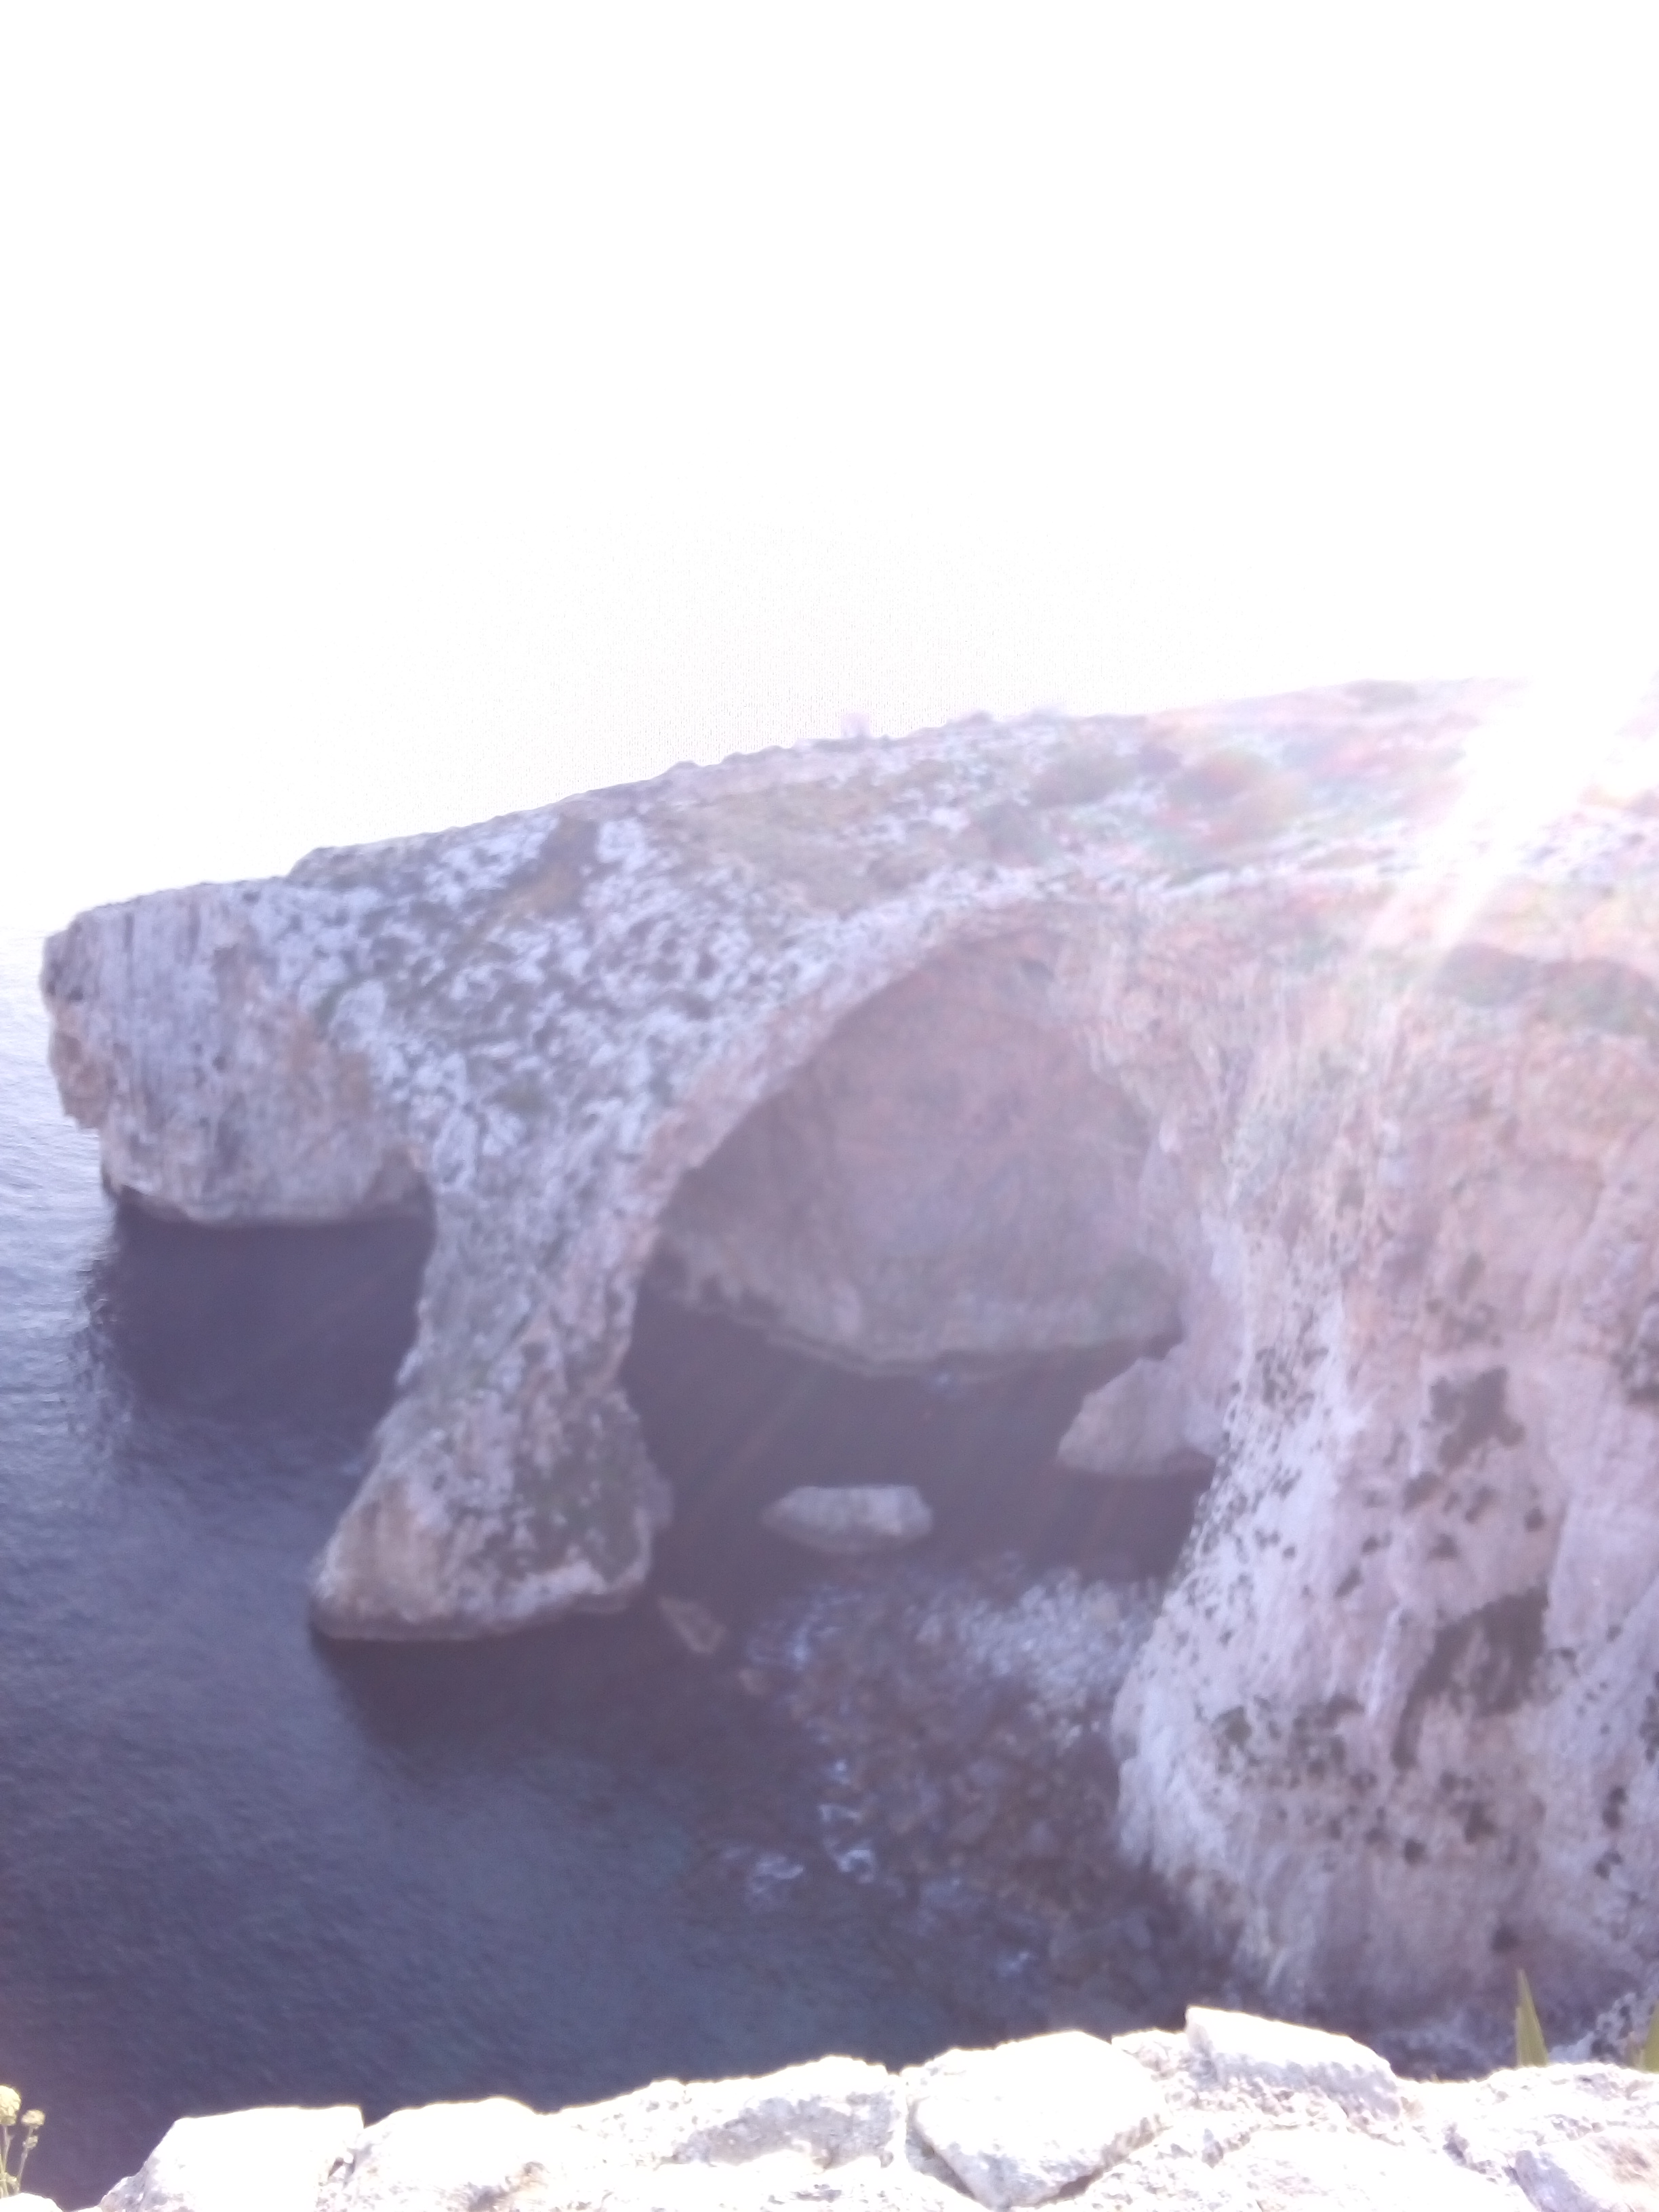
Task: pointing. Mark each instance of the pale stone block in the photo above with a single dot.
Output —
(273, 2159)
(1346, 2173)
(1278, 2055)
(1020, 2123)
(1614, 2171)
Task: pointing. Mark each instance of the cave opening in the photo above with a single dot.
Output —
(909, 1264)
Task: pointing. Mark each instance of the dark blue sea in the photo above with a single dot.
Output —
(238, 1866)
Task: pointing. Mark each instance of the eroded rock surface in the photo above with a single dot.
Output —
(259, 2161)
(1236, 2113)
(1283, 1030)
(1154, 1415)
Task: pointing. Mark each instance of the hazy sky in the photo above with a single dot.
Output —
(410, 413)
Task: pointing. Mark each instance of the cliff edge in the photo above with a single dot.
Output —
(1278, 1052)
(1237, 2112)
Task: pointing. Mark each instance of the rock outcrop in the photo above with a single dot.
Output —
(1147, 1420)
(1236, 2115)
(1285, 1032)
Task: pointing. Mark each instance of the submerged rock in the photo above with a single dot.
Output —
(1153, 1417)
(874, 1516)
(1283, 1031)
(1160, 2118)
(701, 1632)
(1276, 2056)
(961, 1719)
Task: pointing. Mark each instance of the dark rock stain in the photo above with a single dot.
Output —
(1483, 1663)
(1472, 1413)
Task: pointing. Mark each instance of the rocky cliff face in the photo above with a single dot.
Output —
(1273, 1054)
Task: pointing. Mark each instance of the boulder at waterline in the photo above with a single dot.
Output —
(260, 2161)
(876, 1517)
(1022, 2124)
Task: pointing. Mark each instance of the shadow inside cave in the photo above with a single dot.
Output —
(734, 1419)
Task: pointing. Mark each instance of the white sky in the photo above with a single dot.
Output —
(410, 413)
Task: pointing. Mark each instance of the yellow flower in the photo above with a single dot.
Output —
(10, 2105)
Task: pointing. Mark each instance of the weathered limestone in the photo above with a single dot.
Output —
(1581, 2135)
(1239, 2049)
(1154, 1415)
(1152, 2118)
(258, 2161)
(1284, 1029)
(872, 1517)
(702, 1632)
(1018, 2124)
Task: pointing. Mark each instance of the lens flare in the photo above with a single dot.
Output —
(1573, 729)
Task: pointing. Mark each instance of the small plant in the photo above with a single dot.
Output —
(1531, 2049)
(13, 2118)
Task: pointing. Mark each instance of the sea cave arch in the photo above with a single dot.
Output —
(916, 1258)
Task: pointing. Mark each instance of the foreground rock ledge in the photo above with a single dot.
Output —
(1281, 1043)
(1238, 2114)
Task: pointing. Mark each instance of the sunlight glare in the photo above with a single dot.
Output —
(1571, 728)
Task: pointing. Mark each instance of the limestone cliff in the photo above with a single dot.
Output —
(1281, 1030)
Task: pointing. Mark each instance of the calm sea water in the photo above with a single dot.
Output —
(240, 1867)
